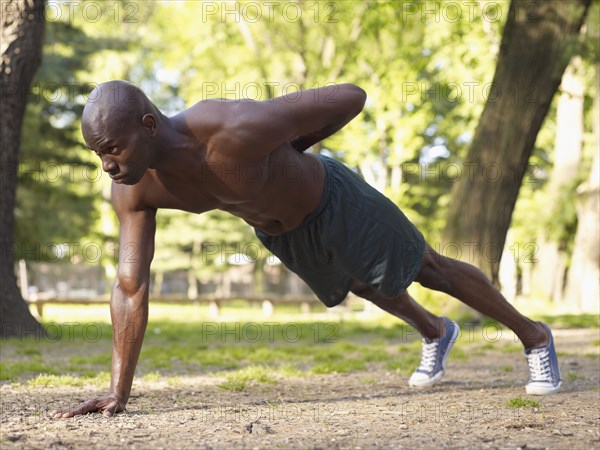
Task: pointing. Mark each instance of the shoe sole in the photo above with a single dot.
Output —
(427, 383)
(440, 375)
(538, 390)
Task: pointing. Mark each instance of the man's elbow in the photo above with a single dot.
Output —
(359, 97)
(361, 92)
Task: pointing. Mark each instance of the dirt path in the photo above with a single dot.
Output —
(361, 410)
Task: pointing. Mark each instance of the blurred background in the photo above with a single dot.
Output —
(429, 69)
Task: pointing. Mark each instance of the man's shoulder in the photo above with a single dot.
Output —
(216, 110)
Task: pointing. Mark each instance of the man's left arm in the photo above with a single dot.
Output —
(301, 118)
(306, 141)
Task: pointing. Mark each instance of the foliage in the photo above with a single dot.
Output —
(61, 189)
(418, 103)
(427, 78)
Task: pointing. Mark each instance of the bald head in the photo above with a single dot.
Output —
(114, 107)
(120, 124)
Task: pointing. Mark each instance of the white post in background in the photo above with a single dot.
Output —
(23, 279)
(507, 273)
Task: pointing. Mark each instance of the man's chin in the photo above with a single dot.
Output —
(128, 180)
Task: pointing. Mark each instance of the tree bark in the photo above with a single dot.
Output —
(22, 38)
(537, 44)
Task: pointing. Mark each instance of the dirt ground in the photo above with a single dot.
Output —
(360, 410)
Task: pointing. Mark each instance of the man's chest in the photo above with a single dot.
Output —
(206, 186)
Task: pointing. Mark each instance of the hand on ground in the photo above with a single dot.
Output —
(108, 406)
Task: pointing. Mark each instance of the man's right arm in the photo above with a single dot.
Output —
(128, 309)
(129, 303)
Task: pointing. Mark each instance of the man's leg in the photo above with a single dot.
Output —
(469, 285)
(405, 308)
(439, 333)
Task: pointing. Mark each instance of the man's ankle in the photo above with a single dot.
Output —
(537, 336)
(436, 330)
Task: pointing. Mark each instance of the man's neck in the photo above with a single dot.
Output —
(173, 143)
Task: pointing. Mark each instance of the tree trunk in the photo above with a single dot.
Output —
(22, 37)
(583, 281)
(548, 274)
(537, 44)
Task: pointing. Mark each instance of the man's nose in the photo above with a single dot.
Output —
(109, 166)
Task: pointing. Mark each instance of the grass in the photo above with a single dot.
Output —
(29, 351)
(46, 380)
(406, 364)
(13, 371)
(572, 321)
(49, 380)
(99, 359)
(572, 376)
(180, 340)
(519, 402)
(369, 379)
(509, 348)
(487, 346)
(342, 366)
(152, 376)
(241, 379)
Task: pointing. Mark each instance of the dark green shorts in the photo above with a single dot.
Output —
(355, 233)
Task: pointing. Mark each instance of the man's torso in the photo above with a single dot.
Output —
(273, 194)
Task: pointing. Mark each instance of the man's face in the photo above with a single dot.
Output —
(125, 156)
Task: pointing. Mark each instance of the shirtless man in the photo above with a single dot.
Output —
(325, 223)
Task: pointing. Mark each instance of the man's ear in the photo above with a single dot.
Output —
(149, 124)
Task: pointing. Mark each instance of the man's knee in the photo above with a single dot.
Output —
(361, 289)
(434, 273)
(367, 292)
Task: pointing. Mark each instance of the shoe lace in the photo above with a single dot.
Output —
(429, 352)
(539, 365)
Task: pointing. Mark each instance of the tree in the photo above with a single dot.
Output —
(583, 282)
(537, 45)
(402, 62)
(22, 36)
(548, 275)
(61, 189)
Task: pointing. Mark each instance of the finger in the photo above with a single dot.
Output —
(111, 409)
(84, 408)
(58, 412)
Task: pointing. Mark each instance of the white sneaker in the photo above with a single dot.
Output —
(544, 374)
(434, 353)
